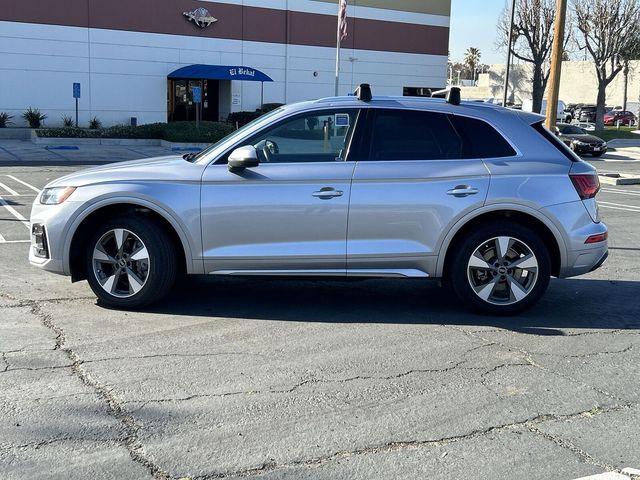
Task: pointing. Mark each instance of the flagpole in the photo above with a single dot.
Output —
(338, 52)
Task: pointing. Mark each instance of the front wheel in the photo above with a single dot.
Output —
(502, 268)
(130, 262)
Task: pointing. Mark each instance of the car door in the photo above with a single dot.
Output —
(418, 177)
(289, 214)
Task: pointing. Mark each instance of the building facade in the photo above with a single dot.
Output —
(578, 84)
(143, 58)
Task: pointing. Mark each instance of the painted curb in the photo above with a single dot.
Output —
(618, 179)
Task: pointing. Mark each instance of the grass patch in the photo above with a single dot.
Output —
(611, 133)
(186, 132)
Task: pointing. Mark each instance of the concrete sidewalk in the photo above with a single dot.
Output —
(27, 153)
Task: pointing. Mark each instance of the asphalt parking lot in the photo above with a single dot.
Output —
(315, 379)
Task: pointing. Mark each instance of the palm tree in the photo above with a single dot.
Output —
(472, 59)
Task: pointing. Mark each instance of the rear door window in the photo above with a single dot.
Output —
(413, 135)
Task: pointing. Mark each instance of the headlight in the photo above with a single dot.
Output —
(56, 195)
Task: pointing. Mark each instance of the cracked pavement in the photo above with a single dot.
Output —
(234, 378)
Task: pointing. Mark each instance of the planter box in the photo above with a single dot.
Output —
(11, 133)
(125, 142)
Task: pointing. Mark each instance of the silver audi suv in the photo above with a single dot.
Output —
(482, 197)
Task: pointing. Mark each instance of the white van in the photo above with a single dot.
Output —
(561, 116)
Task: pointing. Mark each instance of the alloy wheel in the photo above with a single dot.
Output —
(502, 270)
(121, 263)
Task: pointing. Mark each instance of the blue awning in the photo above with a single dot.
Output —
(221, 72)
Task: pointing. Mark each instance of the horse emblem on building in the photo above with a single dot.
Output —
(200, 17)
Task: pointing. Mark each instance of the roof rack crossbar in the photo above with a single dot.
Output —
(363, 92)
(450, 94)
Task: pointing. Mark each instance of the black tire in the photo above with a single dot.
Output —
(161, 266)
(461, 277)
(598, 154)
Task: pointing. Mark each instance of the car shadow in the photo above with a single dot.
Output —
(568, 304)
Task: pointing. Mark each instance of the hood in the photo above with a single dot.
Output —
(173, 168)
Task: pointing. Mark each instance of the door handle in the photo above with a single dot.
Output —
(462, 191)
(327, 193)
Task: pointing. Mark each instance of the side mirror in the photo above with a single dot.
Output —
(243, 157)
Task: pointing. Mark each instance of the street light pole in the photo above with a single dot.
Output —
(556, 63)
(509, 43)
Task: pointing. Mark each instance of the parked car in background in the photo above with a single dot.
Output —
(580, 141)
(624, 117)
(571, 109)
(561, 115)
(586, 113)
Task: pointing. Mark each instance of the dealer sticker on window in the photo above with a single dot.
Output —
(342, 119)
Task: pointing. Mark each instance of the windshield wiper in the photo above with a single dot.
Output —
(189, 156)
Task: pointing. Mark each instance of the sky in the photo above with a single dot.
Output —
(473, 24)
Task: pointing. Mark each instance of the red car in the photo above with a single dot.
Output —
(624, 117)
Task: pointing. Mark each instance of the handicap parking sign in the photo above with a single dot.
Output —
(76, 90)
(197, 94)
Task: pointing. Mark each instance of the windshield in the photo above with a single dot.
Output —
(238, 133)
(572, 130)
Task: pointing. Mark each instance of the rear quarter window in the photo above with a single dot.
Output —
(555, 141)
(481, 140)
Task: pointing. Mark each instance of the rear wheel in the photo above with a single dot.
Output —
(130, 262)
(502, 268)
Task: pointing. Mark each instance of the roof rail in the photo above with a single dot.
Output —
(363, 92)
(451, 94)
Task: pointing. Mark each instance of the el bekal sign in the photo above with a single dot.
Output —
(242, 72)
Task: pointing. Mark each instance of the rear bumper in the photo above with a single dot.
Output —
(580, 257)
(601, 261)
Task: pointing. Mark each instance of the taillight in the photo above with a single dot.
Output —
(600, 237)
(587, 185)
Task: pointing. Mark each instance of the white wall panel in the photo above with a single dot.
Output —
(40, 31)
(127, 73)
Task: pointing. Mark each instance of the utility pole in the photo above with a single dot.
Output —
(509, 44)
(626, 85)
(556, 63)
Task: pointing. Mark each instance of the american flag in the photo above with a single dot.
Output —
(342, 19)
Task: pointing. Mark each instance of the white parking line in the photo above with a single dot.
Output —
(620, 208)
(623, 205)
(35, 189)
(621, 192)
(10, 190)
(15, 213)
(3, 241)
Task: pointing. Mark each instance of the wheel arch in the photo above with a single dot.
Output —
(530, 218)
(84, 224)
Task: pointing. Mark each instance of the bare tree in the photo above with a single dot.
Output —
(532, 40)
(609, 30)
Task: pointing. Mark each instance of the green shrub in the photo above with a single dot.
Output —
(267, 107)
(68, 132)
(5, 119)
(209, 132)
(67, 121)
(242, 118)
(34, 117)
(95, 124)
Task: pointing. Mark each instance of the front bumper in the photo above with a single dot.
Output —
(55, 221)
(589, 149)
